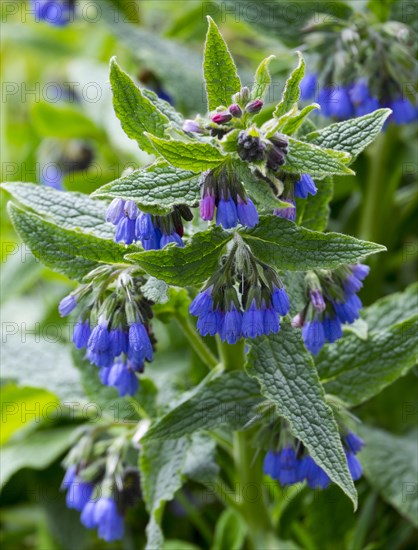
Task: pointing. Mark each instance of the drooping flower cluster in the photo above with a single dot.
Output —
(90, 482)
(154, 232)
(55, 12)
(299, 188)
(113, 327)
(356, 99)
(241, 303)
(331, 301)
(293, 464)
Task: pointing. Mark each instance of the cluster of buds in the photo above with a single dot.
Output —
(243, 299)
(221, 189)
(102, 481)
(154, 232)
(113, 326)
(331, 301)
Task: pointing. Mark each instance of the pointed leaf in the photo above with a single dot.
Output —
(219, 69)
(291, 92)
(306, 158)
(296, 121)
(262, 79)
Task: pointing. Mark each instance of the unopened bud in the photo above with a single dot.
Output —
(297, 321)
(191, 126)
(235, 110)
(254, 106)
(221, 118)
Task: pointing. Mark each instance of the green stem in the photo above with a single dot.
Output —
(196, 342)
(195, 517)
(232, 356)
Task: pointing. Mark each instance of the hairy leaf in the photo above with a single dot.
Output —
(306, 158)
(288, 378)
(258, 189)
(262, 79)
(219, 69)
(291, 92)
(285, 245)
(295, 122)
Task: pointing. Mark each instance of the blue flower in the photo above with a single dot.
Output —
(305, 186)
(360, 271)
(78, 494)
(340, 104)
(173, 237)
(368, 106)
(154, 242)
(87, 515)
(308, 86)
(115, 211)
(231, 327)
(144, 227)
(207, 324)
(52, 176)
(70, 476)
(403, 111)
(55, 12)
(81, 334)
(271, 321)
(317, 300)
(123, 379)
(348, 311)
(252, 321)
(353, 442)
(131, 210)
(332, 329)
(226, 213)
(359, 92)
(98, 347)
(313, 335)
(354, 466)
(67, 305)
(324, 100)
(119, 341)
(108, 520)
(283, 466)
(247, 212)
(140, 347)
(287, 213)
(202, 304)
(280, 301)
(125, 231)
(315, 476)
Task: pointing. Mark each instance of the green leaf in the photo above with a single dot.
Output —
(200, 464)
(188, 266)
(70, 252)
(262, 79)
(68, 210)
(285, 245)
(188, 155)
(391, 466)
(155, 290)
(356, 369)
(37, 450)
(156, 188)
(351, 136)
(392, 309)
(288, 378)
(316, 207)
(63, 120)
(258, 189)
(291, 92)
(219, 69)
(161, 466)
(230, 531)
(224, 399)
(136, 113)
(295, 122)
(307, 158)
(164, 107)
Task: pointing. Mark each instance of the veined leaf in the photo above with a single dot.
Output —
(219, 69)
(156, 188)
(164, 107)
(306, 158)
(258, 189)
(291, 92)
(285, 245)
(351, 136)
(288, 378)
(188, 155)
(136, 113)
(296, 121)
(186, 266)
(262, 79)
(356, 369)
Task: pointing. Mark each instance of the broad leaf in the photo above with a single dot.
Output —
(288, 378)
(188, 155)
(262, 79)
(190, 265)
(258, 189)
(226, 399)
(295, 122)
(70, 252)
(307, 158)
(136, 112)
(219, 69)
(164, 107)
(63, 121)
(161, 466)
(391, 466)
(356, 369)
(68, 210)
(291, 92)
(285, 245)
(156, 188)
(200, 462)
(352, 135)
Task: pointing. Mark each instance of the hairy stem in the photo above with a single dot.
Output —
(202, 350)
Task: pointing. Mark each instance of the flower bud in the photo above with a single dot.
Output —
(254, 106)
(191, 126)
(235, 110)
(221, 118)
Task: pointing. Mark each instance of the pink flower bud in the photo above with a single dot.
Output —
(221, 118)
(297, 321)
(235, 110)
(254, 106)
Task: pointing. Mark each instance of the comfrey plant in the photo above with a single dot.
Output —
(55, 12)
(275, 299)
(362, 64)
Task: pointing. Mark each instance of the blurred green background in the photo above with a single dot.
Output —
(56, 107)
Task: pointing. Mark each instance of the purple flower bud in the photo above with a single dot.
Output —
(360, 271)
(247, 212)
(207, 207)
(144, 227)
(125, 231)
(131, 210)
(81, 334)
(317, 300)
(254, 106)
(287, 213)
(140, 347)
(202, 304)
(280, 301)
(340, 104)
(154, 242)
(305, 186)
(67, 305)
(354, 466)
(115, 211)
(87, 515)
(368, 106)
(353, 442)
(271, 321)
(221, 118)
(315, 476)
(235, 110)
(192, 126)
